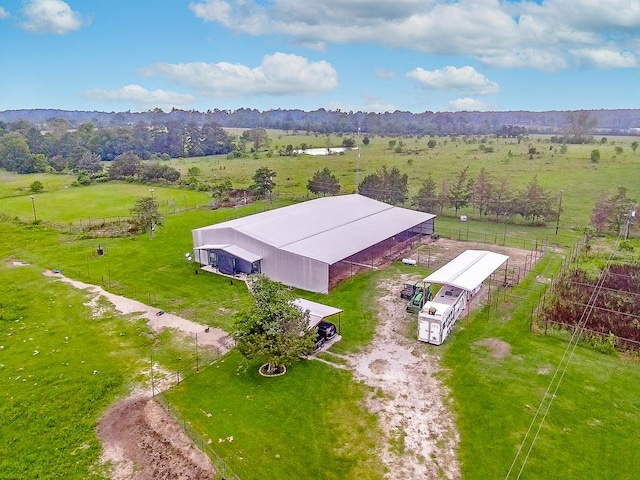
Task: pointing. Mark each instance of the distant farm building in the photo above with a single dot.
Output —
(310, 245)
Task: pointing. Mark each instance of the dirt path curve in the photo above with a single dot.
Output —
(215, 337)
(421, 433)
(140, 440)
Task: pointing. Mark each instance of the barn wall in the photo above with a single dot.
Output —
(288, 268)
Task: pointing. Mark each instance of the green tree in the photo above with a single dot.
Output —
(263, 183)
(579, 125)
(145, 215)
(88, 162)
(501, 201)
(595, 156)
(427, 198)
(460, 190)
(619, 150)
(125, 166)
(272, 329)
(222, 190)
(324, 183)
(257, 137)
(432, 143)
(366, 140)
(36, 187)
(482, 190)
(620, 207)
(155, 171)
(15, 155)
(535, 202)
(386, 185)
(601, 213)
(349, 142)
(634, 145)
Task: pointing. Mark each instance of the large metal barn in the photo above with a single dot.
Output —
(306, 244)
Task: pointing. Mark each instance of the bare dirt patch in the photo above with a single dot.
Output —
(143, 442)
(498, 348)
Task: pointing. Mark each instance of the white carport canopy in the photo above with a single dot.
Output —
(468, 270)
(232, 250)
(317, 311)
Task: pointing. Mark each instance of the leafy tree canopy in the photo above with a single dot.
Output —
(145, 214)
(263, 183)
(386, 185)
(272, 328)
(324, 183)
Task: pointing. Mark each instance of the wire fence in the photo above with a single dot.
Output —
(222, 470)
(541, 322)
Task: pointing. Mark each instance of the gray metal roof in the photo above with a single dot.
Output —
(468, 270)
(327, 229)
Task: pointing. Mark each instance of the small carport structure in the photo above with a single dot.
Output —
(317, 311)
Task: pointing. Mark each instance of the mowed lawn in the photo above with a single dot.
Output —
(59, 369)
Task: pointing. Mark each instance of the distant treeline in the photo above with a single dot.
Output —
(611, 122)
(57, 146)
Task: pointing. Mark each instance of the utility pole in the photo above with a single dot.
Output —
(33, 204)
(559, 210)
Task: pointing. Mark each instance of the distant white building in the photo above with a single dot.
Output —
(306, 244)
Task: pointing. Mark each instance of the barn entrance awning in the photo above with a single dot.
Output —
(232, 250)
(468, 270)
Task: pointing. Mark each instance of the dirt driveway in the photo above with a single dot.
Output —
(410, 401)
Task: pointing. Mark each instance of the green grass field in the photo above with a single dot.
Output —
(50, 408)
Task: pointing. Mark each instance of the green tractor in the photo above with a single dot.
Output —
(421, 296)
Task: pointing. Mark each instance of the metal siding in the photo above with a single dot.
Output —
(298, 271)
(288, 268)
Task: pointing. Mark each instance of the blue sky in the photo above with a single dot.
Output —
(368, 55)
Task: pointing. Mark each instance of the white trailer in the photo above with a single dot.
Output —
(439, 315)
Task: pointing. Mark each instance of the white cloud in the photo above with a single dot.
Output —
(549, 35)
(604, 58)
(145, 99)
(464, 79)
(468, 105)
(4, 13)
(279, 74)
(51, 16)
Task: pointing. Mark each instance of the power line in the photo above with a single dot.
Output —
(554, 384)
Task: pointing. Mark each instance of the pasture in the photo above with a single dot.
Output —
(52, 398)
